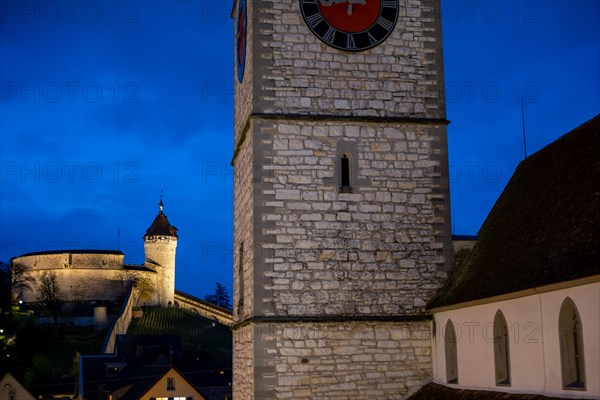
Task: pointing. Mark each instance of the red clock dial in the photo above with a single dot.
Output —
(349, 17)
(352, 25)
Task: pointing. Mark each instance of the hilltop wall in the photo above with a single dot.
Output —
(79, 260)
(83, 276)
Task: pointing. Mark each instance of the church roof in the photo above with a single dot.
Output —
(434, 391)
(544, 228)
(161, 226)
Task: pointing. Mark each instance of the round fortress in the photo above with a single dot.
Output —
(102, 275)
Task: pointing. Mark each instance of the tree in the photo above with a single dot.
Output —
(220, 297)
(20, 279)
(14, 279)
(49, 295)
(4, 287)
(144, 289)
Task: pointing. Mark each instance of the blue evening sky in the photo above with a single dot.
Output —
(103, 104)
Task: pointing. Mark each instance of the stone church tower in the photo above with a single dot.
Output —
(160, 244)
(342, 227)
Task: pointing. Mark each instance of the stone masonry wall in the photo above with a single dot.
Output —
(380, 250)
(295, 73)
(244, 232)
(348, 360)
(243, 363)
(160, 255)
(338, 260)
(244, 91)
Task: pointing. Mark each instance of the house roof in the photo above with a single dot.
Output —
(12, 385)
(434, 391)
(544, 228)
(146, 359)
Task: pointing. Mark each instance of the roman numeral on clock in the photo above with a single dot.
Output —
(389, 4)
(372, 39)
(330, 35)
(385, 24)
(350, 42)
(314, 19)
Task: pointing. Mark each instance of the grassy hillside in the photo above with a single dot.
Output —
(198, 334)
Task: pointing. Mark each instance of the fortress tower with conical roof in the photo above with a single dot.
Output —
(160, 244)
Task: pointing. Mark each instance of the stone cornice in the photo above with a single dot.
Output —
(331, 318)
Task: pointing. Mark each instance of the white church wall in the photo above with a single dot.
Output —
(535, 365)
(587, 300)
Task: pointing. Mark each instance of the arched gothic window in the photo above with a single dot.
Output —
(571, 346)
(451, 353)
(501, 350)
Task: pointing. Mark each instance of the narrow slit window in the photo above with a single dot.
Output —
(240, 304)
(571, 347)
(345, 184)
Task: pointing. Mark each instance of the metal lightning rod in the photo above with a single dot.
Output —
(524, 133)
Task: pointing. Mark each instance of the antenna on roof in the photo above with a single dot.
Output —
(119, 238)
(524, 133)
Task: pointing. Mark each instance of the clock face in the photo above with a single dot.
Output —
(352, 25)
(240, 39)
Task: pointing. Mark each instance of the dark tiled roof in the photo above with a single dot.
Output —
(134, 267)
(161, 227)
(433, 391)
(544, 228)
(464, 237)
